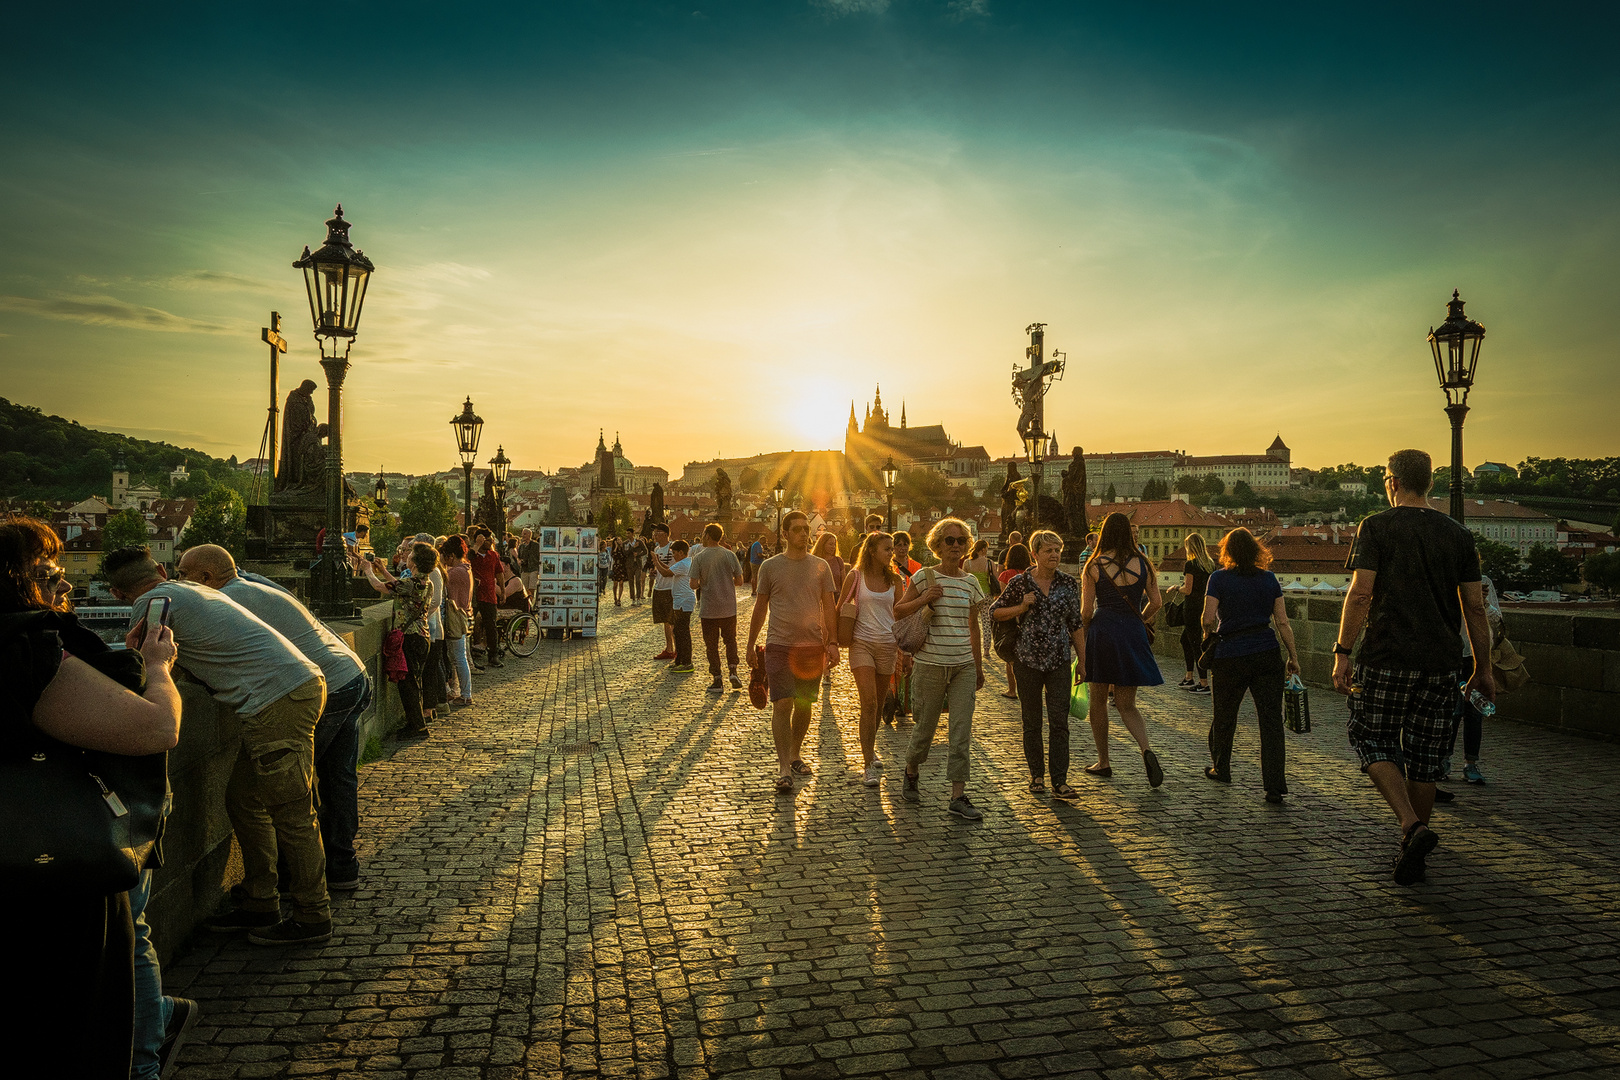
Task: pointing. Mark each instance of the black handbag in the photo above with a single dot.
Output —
(1004, 634)
(1175, 613)
(1206, 655)
(76, 820)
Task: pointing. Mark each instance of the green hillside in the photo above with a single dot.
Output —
(50, 457)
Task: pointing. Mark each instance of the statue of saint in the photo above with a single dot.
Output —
(1009, 498)
(1074, 494)
(310, 464)
(297, 431)
(722, 494)
(658, 502)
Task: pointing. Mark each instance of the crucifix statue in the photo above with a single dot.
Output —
(1029, 387)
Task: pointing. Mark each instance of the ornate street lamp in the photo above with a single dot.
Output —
(1035, 453)
(890, 475)
(781, 493)
(501, 468)
(469, 427)
(379, 494)
(335, 277)
(1455, 345)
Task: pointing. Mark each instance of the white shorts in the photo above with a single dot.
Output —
(873, 654)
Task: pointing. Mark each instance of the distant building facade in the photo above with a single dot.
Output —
(1262, 472)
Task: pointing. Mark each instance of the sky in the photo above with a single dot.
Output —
(708, 227)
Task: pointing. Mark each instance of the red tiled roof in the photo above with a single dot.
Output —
(1172, 514)
(1492, 508)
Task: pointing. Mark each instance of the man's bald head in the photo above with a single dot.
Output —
(207, 564)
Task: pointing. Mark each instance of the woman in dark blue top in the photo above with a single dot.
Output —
(1119, 650)
(1241, 602)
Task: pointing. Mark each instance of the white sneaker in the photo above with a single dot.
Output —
(877, 763)
(871, 776)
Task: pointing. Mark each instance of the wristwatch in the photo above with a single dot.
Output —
(1340, 650)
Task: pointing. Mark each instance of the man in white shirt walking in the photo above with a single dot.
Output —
(716, 571)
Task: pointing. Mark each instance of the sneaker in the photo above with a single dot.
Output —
(682, 669)
(910, 792)
(871, 778)
(1442, 795)
(1155, 771)
(181, 1021)
(343, 882)
(736, 683)
(1197, 689)
(1472, 774)
(240, 921)
(962, 808)
(877, 763)
(496, 663)
(293, 932)
(717, 687)
(1411, 867)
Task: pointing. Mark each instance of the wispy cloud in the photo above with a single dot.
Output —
(110, 311)
(852, 7)
(961, 10)
(216, 280)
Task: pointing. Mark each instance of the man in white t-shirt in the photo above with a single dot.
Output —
(684, 601)
(716, 571)
(663, 602)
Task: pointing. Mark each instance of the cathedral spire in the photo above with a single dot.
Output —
(902, 414)
(853, 425)
(601, 442)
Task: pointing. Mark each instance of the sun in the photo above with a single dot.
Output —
(817, 416)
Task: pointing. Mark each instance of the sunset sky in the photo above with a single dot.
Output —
(710, 226)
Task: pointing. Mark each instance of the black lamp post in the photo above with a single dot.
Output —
(1455, 345)
(1035, 452)
(379, 494)
(890, 475)
(469, 427)
(501, 469)
(781, 493)
(335, 277)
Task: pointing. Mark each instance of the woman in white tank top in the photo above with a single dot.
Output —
(873, 586)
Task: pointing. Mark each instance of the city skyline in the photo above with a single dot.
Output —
(637, 217)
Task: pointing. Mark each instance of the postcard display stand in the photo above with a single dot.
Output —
(566, 596)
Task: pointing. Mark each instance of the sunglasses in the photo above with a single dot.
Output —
(953, 540)
(798, 528)
(54, 575)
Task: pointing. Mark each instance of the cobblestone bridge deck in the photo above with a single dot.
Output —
(587, 873)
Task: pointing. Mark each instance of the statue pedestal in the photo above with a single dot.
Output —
(285, 530)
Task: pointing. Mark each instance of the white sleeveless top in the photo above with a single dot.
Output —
(874, 620)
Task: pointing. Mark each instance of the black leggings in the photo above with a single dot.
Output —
(1192, 643)
(1261, 676)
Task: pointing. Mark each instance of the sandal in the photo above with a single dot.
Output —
(1209, 771)
(1104, 771)
(1064, 791)
(800, 767)
(784, 785)
(1011, 697)
(1037, 787)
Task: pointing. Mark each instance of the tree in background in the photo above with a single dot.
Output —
(221, 518)
(1602, 568)
(1214, 485)
(1242, 490)
(127, 528)
(385, 530)
(1155, 490)
(614, 516)
(1499, 561)
(748, 480)
(427, 508)
(1111, 495)
(1547, 568)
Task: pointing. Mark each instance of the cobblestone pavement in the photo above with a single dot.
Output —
(587, 873)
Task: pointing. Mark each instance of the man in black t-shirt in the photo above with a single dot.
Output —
(1415, 584)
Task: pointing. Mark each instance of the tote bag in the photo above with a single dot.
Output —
(911, 631)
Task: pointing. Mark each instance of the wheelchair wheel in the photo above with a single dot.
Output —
(523, 635)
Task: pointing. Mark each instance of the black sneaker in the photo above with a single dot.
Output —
(181, 1021)
(240, 921)
(1442, 795)
(911, 793)
(293, 932)
(1412, 866)
(736, 683)
(343, 882)
(963, 808)
(716, 687)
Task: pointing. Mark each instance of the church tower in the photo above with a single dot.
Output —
(902, 414)
(120, 483)
(854, 426)
(877, 418)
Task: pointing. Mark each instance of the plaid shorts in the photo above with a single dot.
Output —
(1405, 717)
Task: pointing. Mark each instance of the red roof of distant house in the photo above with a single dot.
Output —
(1172, 514)
(1307, 554)
(1492, 508)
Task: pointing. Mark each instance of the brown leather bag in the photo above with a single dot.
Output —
(1507, 666)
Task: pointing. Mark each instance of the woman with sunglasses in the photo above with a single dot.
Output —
(949, 667)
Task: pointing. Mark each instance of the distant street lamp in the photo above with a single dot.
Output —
(335, 277)
(890, 475)
(1035, 452)
(469, 427)
(781, 493)
(1455, 345)
(501, 468)
(379, 494)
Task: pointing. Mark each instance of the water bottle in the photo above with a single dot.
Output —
(1479, 701)
(1296, 705)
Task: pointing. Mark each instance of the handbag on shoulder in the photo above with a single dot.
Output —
(849, 612)
(911, 631)
(1175, 612)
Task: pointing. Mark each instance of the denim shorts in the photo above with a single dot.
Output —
(1404, 717)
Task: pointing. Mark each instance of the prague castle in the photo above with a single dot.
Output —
(868, 445)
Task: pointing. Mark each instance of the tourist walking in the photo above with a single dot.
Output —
(675, 568)
(1046, 601)
(436, 673)
(1470, 721)
(414, 600)
(87, 985)
(604, 568)
(1117, 581)
(826, 549)
(528, 560)
(485, 563)
(756, 556)
(1415, 583)
(337, 732)
(1194, 578)
(636, 558)
(621, 570)
(1242, 601)
(663, 597)
(278, 695)
(716, 573)
(458, 614)
(1016, 562)
(794, 606)
(872, 585)
(948, 669)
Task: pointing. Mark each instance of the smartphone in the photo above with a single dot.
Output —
(159, 604)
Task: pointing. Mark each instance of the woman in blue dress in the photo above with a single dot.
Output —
(1119, 650)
